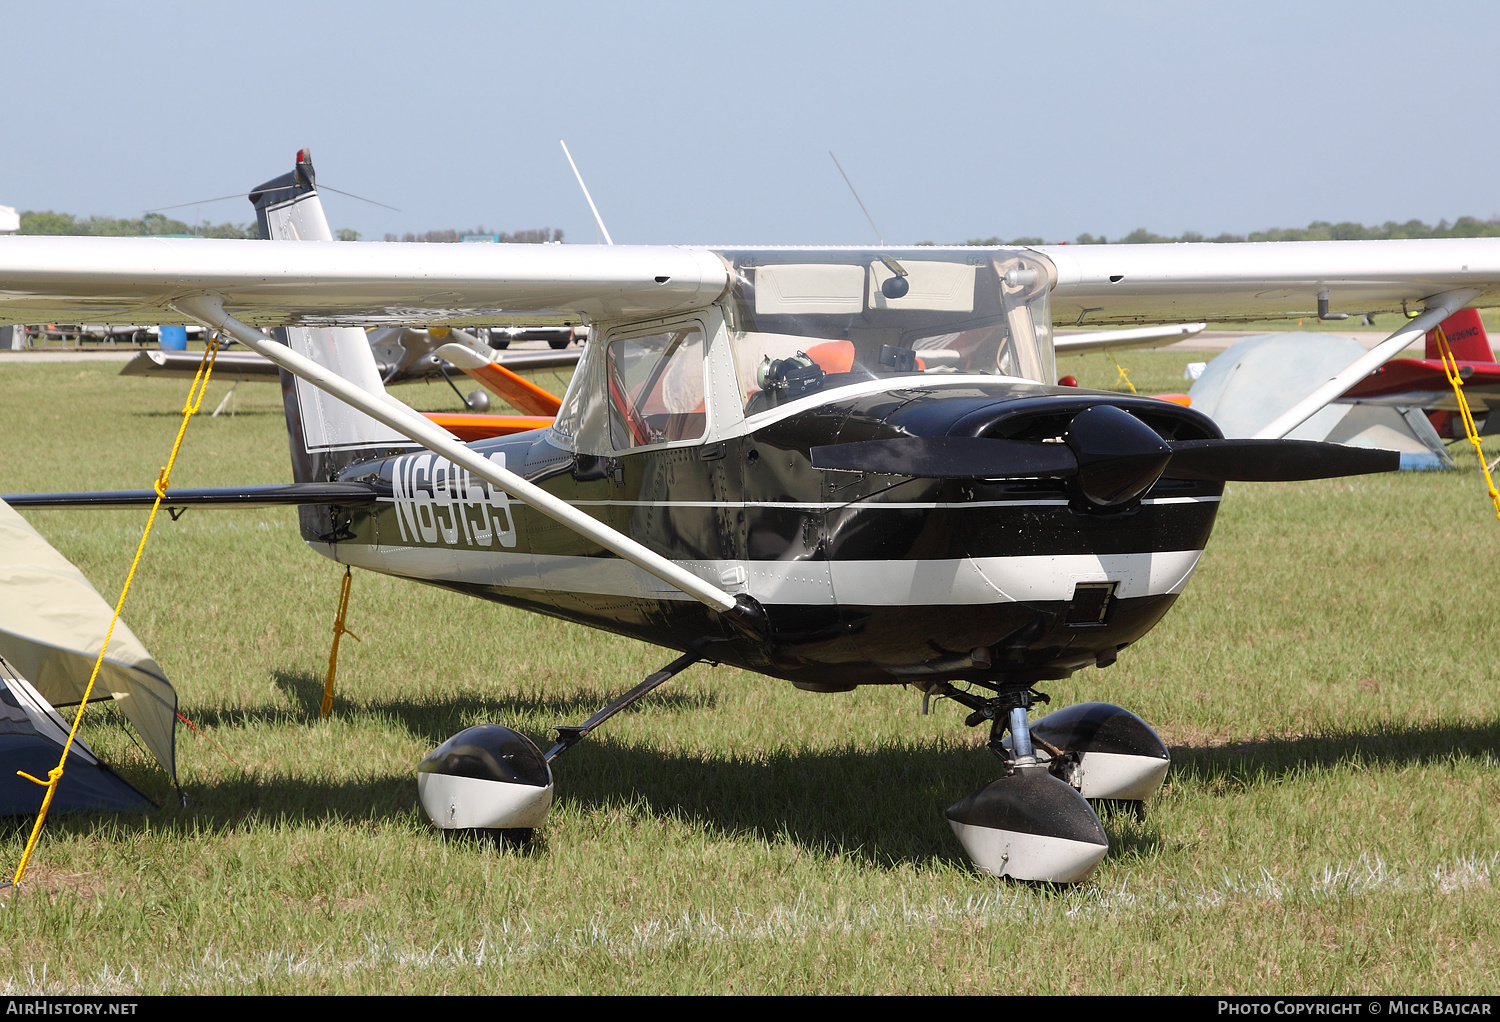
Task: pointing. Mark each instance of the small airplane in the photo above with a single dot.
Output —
(402, 355)
(831, 466)
(1423, 382)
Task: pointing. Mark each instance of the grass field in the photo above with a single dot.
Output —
(1326, 684)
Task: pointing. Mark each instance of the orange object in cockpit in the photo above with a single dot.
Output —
(838, 356)
(833, 356)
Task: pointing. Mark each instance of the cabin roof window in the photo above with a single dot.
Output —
(806, 321)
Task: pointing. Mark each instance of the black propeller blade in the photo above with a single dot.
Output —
(1115, 456)
(1267, 461)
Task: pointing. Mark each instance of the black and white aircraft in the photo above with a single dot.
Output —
(833, 466)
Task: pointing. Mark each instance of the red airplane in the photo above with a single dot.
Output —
(1422, 382)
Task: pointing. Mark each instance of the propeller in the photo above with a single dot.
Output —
(1115, 457)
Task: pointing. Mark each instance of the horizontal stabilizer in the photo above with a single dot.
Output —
(278, 495)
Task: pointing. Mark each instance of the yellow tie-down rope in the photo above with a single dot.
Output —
(339, 631)
(1124, 375)
(1450, 367)
(189, 409)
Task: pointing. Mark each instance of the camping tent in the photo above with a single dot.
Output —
(52, 624)
(32, 736)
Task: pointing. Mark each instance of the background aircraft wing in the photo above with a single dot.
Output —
(247, 365)
(1422, 383)
(234, 365)
(311, 283)
(1137, 337)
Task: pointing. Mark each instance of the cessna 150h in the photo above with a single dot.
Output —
(833, 466)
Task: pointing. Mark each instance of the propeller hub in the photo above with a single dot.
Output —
(1119, 456)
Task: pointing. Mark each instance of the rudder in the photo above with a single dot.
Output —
(1466, 338)
(325, 434)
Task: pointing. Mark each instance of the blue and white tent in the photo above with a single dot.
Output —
(32, 736)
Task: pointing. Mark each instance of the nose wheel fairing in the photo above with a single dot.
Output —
(1036, 823)
(1104, 751)
(1030, 826)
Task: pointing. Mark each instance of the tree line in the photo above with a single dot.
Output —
(158, 225)
(539, 236)
(149, 225)
(1318, 230)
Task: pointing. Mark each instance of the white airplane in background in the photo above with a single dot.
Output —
(833, 466)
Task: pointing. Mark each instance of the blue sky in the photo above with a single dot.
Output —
(712, 122)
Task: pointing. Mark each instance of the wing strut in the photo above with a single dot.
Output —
(742, 612)
(1438, 308)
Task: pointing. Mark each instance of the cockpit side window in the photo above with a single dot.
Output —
(656, 389)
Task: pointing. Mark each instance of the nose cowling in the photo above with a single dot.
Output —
(1119, 456)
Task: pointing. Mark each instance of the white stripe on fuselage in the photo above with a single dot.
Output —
(963, 581)
(866, 504)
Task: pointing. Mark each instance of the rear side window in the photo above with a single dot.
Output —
(655, 385)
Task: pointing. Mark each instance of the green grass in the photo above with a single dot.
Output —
(1326, 684)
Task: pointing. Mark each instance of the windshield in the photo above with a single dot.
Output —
(803, 322)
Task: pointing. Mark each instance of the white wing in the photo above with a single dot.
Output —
(331, 283)
(265, 283)
(1100, 284)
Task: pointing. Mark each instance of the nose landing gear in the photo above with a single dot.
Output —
(1035, 823)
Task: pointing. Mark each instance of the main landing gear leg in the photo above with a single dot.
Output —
(491, 778)
(1028, 824)
(569, 735)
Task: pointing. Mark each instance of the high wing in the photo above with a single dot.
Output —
(312, 283)
(1104, 284)
(1328, 279)
(339, 283)
(44, 279)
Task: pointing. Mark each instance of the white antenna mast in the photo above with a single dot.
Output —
(597, 218)
(836, 163)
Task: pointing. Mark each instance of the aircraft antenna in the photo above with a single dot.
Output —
(282, 188)
(862, 209)
(597, 218)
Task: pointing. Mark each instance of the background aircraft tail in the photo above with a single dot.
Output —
(325, 434)
(1466, 338)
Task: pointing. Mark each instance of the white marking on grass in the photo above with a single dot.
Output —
(508, 943)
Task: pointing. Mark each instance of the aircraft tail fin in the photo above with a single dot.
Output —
(325, 434)
(1466, 338)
